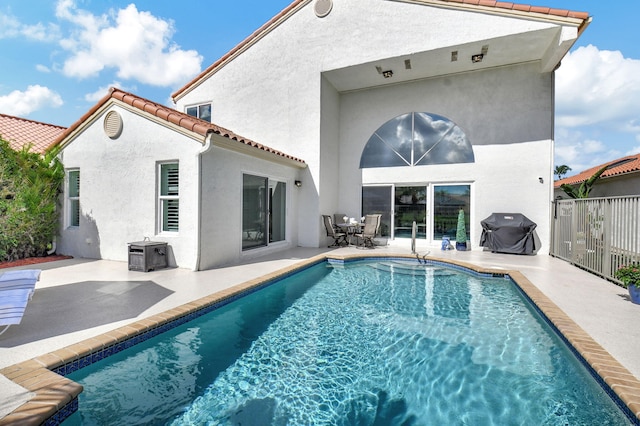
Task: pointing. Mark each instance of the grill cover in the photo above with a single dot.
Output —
(508, 233)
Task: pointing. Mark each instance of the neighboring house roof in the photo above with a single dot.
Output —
(621, 166)
(170, 115)
(501, 7)
(20, 132)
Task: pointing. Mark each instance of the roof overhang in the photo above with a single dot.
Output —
(545, 47)
(224, 142)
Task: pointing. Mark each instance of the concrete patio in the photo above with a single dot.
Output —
(78, 298)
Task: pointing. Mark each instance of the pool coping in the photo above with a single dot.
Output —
(55, 396)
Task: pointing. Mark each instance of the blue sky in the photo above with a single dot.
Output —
(60, 57)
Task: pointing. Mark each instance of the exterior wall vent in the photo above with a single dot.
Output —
(113, 125)
(322, 7)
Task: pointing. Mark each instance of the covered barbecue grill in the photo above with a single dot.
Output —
(508, 233)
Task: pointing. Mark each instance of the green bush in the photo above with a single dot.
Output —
(30, 184)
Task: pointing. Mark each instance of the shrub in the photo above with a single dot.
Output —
(629, 275)
(29, 188)
(461, 230)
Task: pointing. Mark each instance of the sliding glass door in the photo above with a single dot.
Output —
(377, 200)
(447, 202)
(264, 210)
(410, 205)
(401, 205)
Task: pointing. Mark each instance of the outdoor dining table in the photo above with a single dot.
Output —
(351, 229)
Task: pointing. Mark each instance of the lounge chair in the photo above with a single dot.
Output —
(339, 238)
(369, 231)
(12, 306)
(20, 279)
(16, 289)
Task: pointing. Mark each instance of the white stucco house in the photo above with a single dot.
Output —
(408, 108)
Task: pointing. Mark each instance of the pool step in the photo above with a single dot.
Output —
(406, 268)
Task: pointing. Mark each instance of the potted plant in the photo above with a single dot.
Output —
(630, 277)
(461, 232)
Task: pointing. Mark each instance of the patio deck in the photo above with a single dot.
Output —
(77, 299)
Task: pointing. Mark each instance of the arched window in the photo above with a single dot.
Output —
(417, 139)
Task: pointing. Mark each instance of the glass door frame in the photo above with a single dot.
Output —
(430, 207)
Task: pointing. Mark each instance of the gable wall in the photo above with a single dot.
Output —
(273, 93)
(118, 189)
(511, 139)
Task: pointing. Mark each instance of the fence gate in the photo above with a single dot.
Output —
(597, 234)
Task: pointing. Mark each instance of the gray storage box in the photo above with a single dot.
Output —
(147, 256)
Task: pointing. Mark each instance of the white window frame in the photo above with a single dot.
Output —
(165, 198)
(73, 201)
(198, 110)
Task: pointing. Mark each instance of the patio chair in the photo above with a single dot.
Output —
(13, 303)
(339, 238)
(370, 230)
(24, 279)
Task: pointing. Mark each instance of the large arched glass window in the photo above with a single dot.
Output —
(417, 139)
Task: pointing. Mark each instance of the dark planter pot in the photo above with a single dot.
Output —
(461, 246)
(634, 293)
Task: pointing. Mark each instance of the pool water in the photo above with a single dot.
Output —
(383, 343)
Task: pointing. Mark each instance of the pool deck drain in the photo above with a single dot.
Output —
(55, 396)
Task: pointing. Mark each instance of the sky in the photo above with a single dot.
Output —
(58, 58)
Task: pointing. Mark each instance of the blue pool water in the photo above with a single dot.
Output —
(383, 343)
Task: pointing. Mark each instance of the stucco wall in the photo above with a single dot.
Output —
(274, 92)
(507, 116)
(118, 189)
(222, 181)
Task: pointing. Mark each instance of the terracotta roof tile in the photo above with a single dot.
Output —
(178, 118)
(264, 29)
(621, 166)
(20, 132)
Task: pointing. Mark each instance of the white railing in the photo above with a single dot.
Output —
(597, 234)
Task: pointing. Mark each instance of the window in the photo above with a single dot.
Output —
(401, 205)
(263, 211)
(73, 197)
(169, 203)
(417, 139)
(447, 202)
(203, 112)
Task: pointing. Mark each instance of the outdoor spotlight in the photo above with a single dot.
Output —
(298, 183)
(477, 58)
(387, 74)
(541, 180)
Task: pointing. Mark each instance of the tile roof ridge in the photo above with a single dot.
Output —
(521, 7)
(15, 117)
(617, 167)
(170, 115)
(189, 122)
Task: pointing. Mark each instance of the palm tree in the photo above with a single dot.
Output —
(585, 187)
(561, 170)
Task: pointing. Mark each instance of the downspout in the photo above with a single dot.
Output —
(204, 150)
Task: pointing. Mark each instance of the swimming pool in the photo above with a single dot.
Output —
(355, 343)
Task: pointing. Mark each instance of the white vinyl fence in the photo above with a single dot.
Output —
(597, 234)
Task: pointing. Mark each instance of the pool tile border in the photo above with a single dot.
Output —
(56, 397)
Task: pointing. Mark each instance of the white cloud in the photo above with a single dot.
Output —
(597, 87)
(597, 104)
(33, 99)
(136, 44)
(103, 90)
(43, 68)
(11, 27)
